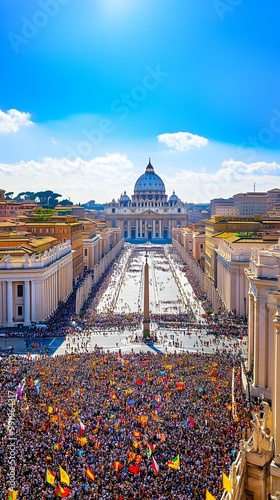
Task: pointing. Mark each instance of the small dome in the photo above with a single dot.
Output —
(124, 197)
(149, 182)
(174, 197)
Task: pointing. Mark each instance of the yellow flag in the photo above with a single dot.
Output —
(64, 478)
(209, 496)
(226, 483)
(50, 409)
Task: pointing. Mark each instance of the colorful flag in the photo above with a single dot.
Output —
(227, 483)
(82, 441)
(135, 469)
(64, 478)
(50, 477)
(131, 456)
(137, 434)
(90, 474)
(155, 466)
(54, 418)
(189, 422)
(175, 463)
(57, 446)
(118, 466)
(161, 436)
(149, 450)
(209, 496)
(62, 492)
(12, 495)
(180, 386)
(81, 427)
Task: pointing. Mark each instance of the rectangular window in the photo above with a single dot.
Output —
(20, 290)
(85, 252)
(19, 310)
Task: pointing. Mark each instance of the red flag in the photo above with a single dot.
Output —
(155, 466)
(62, 492)
(135, 469)
(118, 466)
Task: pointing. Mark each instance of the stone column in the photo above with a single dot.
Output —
(141, 227)
(251, 328)
(270, 347)
(137, 228)
(33, 301)
(26, 303)
(154, 229)
(275, 465)
(160, 228)
(10, 321)
(256, 341)
(260, 368)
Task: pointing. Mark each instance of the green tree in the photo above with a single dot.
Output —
(9, 195)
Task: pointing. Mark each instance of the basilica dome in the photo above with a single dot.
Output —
(149, 182)
(124, 198)
(174, 198)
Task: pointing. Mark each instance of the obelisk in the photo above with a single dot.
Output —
(146, 319)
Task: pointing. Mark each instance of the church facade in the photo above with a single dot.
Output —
(149, 215)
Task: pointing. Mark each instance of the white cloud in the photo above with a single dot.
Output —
(231, 178)
(13, 120)
(102, 178)
(182, 141)
(242, 168)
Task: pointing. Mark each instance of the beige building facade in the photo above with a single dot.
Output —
(263, 278)
(31, 286)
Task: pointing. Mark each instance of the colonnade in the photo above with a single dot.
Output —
(204, 282)
(42, 290)
(148, 228)
(99, 269)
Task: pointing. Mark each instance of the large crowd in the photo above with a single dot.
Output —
(98, 410)
(124, 416)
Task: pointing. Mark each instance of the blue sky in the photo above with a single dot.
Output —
(90, 89)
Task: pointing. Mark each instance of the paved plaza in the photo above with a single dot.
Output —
(170, 292)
